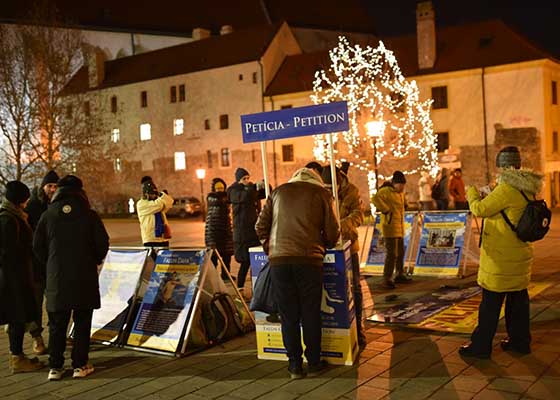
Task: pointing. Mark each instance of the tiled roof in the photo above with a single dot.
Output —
(475, 45)
(213, 52)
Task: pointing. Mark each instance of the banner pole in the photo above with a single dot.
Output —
(265, 168)
(334, 182)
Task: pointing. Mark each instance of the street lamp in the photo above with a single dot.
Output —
(200, 174)
(375, 129)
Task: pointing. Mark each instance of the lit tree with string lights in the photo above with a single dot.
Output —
(390, 128)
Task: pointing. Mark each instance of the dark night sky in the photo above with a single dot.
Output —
(538, 19)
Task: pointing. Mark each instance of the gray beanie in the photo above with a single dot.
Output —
(509, 157)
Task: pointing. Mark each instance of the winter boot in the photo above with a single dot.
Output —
(21, 363)
(38, 346)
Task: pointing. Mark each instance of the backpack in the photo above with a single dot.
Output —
(534, 222)
(221, 318)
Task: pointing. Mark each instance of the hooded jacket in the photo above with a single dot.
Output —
(390, 204)
(351, 214)
(505, 261)
(218, 231)
(298, 222)
(71, 241)
(151, 214)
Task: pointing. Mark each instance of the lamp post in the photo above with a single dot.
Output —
(375, 129)
(200, 174)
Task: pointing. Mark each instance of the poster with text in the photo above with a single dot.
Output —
(441, 243)
(118, 281)
(376, 254)
(167, 304)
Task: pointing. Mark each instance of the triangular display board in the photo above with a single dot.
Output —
(120, 282)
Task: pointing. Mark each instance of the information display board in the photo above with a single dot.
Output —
(339, 340)
(119, 281)
(168, 302)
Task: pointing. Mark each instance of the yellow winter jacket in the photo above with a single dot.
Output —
(505, 261)
(147, 210)
(390, 204)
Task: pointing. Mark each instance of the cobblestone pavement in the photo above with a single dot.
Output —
(397, 363)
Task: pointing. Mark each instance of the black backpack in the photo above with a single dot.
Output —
(534, 222)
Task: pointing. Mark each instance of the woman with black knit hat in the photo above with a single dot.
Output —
(218, 232)
(17, 303)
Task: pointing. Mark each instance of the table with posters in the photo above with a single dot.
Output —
(339, 340)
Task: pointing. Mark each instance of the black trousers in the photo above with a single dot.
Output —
(357, 292)
(298, 289)
(442, 204)
(16, 330)
(394, 257)
(36, 327)
(242, 273)
(58, 326)
(227, 263)
(517, 319)
(461, 205)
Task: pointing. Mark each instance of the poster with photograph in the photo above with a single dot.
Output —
(376, 254)
(441, 243)
(167, 304)
(118, 281)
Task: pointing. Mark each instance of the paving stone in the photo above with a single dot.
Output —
(449, 394)
(280, 395)
(334, 388)
(488, 394)
(251, 391)
(509, 385)
(545, 388)
(366, 393)
(469, 384)
(389, 384)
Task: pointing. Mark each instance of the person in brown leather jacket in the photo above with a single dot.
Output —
(296, 226)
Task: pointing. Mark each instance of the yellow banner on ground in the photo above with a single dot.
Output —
(463, 317)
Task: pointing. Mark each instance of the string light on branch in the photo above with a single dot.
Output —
(383, 108)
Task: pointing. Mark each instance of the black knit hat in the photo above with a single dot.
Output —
(50, 177)
(509, 157)
(70, 181)
(240, 173)
(145, 178)
(327, 177)
(398, 177)
(315, 165)
(149, 187)
(17, 192)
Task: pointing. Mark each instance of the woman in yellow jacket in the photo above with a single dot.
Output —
(151, 210)
(505, 261)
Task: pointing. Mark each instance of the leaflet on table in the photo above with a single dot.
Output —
(441, 243)
(118, 281)
(167, 304)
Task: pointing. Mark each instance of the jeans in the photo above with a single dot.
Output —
(357, 292)
(58, 325)
(517, 319)
(297, 290)
(442, 204)
(16, 331)
(394, 257)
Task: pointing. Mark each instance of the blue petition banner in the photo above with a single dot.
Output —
(294, 122)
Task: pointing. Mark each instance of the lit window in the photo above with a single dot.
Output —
(180, 160)
(178, 125)
(224, 161)
(145, 132)
(118, 165)
(115, 135)
(288, 153)
(74, 168)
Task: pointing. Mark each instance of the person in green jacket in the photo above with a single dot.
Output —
(505, 261)
(389, 201)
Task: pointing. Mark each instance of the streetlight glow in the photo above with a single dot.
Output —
(200, 173)
(375, 128)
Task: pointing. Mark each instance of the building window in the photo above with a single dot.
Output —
(180, 161)
(439, 95)
(207, 124)
(555, 142)
(145, 132)
(288, 153)
(285, 106)
(178, 126)
(114, 104)
(182, 95)
(116, 135)
(87, 109)
(442, 141)
(224, 121)
(173, 94)
(554, 93)
(118, 165)
(240, 77)
(144, 99)
(224, 160)
(254, 77)
(209, 157)
(253, 155)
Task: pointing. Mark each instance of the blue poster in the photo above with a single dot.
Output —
(441, 242)
(294, 122)
(167, 304)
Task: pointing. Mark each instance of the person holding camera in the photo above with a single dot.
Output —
(151, 208)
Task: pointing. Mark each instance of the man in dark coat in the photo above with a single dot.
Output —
(245, 197)
(40, 198)
(71, 241)
(440, 190)
(218, 231)
(17, 303)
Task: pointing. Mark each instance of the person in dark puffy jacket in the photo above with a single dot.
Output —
(218, 232)
(71, 241)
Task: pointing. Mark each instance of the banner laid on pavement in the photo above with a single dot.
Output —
(167, 304)
(119, 281)
(376, 255)
(441, 243)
